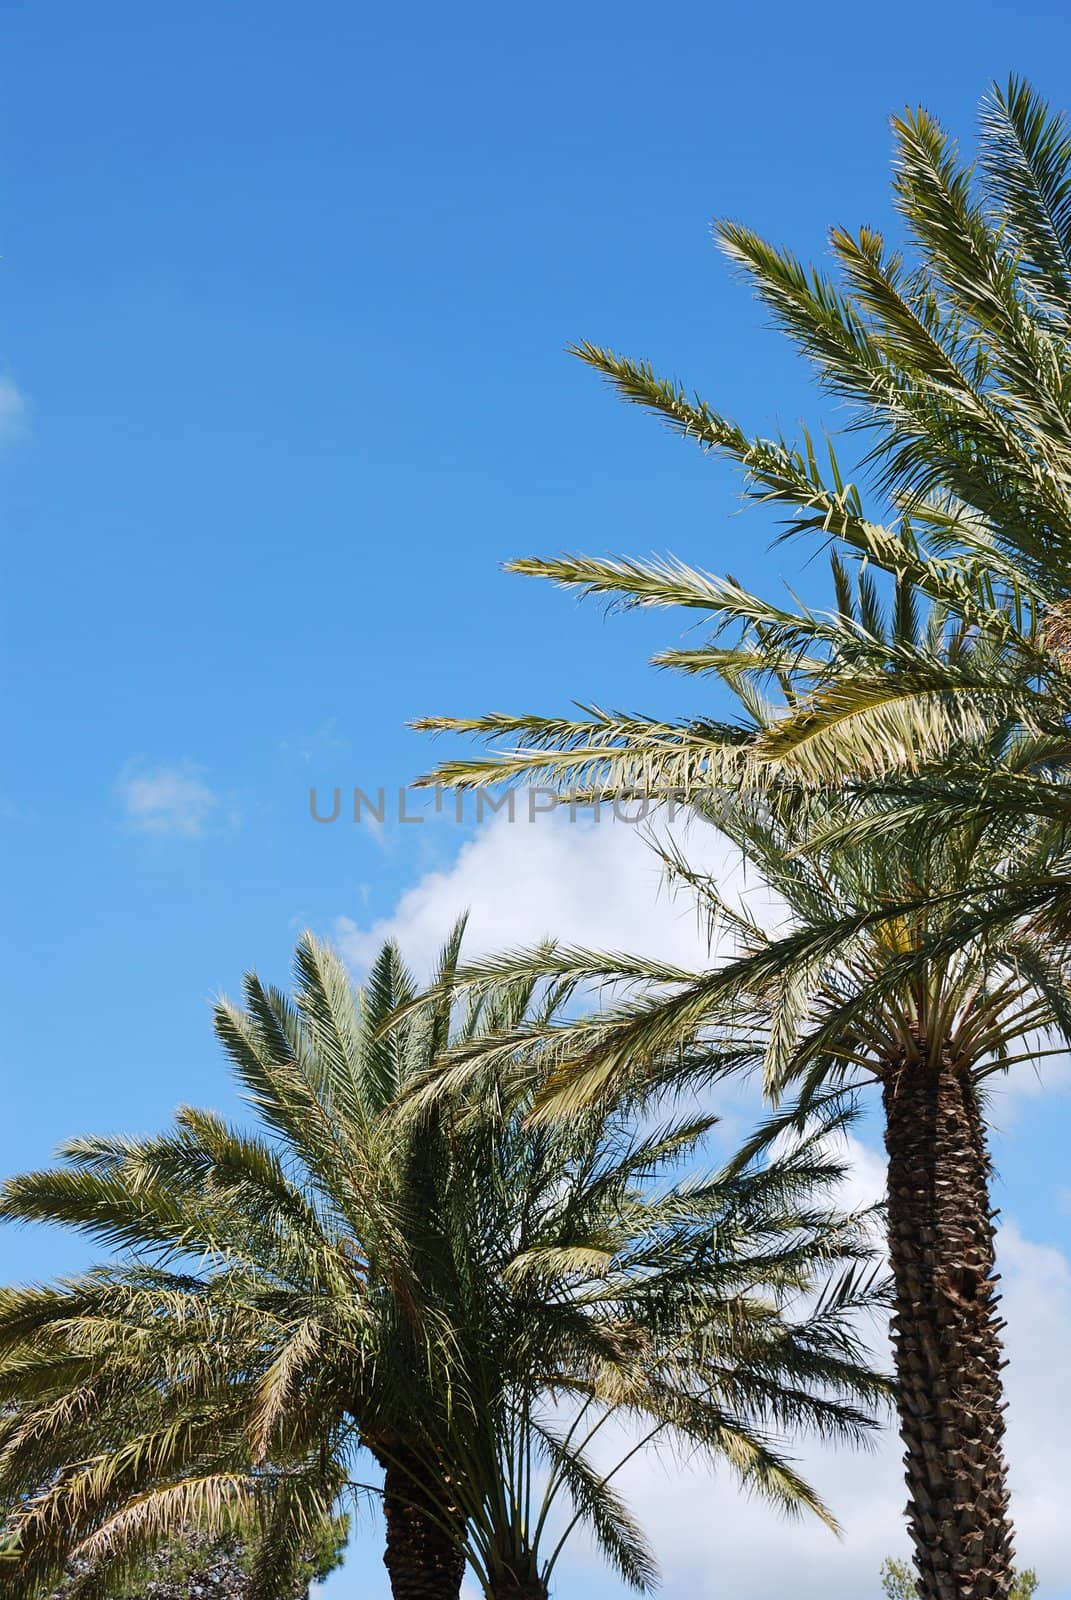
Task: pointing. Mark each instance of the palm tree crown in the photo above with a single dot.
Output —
(952, 357)
(446, 1291)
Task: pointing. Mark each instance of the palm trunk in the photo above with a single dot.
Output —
(946, 1333)
(513, 1570)
(527, 1589)
(423, 1555)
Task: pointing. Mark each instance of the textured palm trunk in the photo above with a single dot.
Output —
(422, 1556)
(527, 1589)
(946, 1333)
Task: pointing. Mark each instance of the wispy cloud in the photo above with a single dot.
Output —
(171, 802)
(12, 409)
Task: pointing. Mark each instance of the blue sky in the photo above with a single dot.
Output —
(285, 296)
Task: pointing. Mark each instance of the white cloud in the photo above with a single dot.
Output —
(1051, 1073)
(170, 802)
(12, 410)
(1037, 1304)
(592, 884)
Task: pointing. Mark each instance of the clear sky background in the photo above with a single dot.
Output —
(285, 291)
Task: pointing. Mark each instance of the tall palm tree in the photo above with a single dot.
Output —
(826, 1019)
(952, 360)
(453, 1295)
(861, 985)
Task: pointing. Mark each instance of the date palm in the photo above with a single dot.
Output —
(828, 1015)
(861, 986)
(952, 361)
(455, 1297)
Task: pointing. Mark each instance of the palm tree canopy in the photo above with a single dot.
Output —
(951, 358)
(446, 1289)
(871, 952)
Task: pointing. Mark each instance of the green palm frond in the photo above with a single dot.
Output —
(1026, 163)
(403, 1262)
(605, 755)
(954, 357)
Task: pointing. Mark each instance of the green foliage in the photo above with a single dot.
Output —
(221, 1569)
(898, 762)
(178, 1562)
(898, 767)
(898, 1582)
(867, 962)
(951, 361)
(381, 1275)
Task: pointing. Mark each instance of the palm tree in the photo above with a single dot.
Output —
(825, 1019)
(953, 360)
(454, 1295)
(862, 986)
